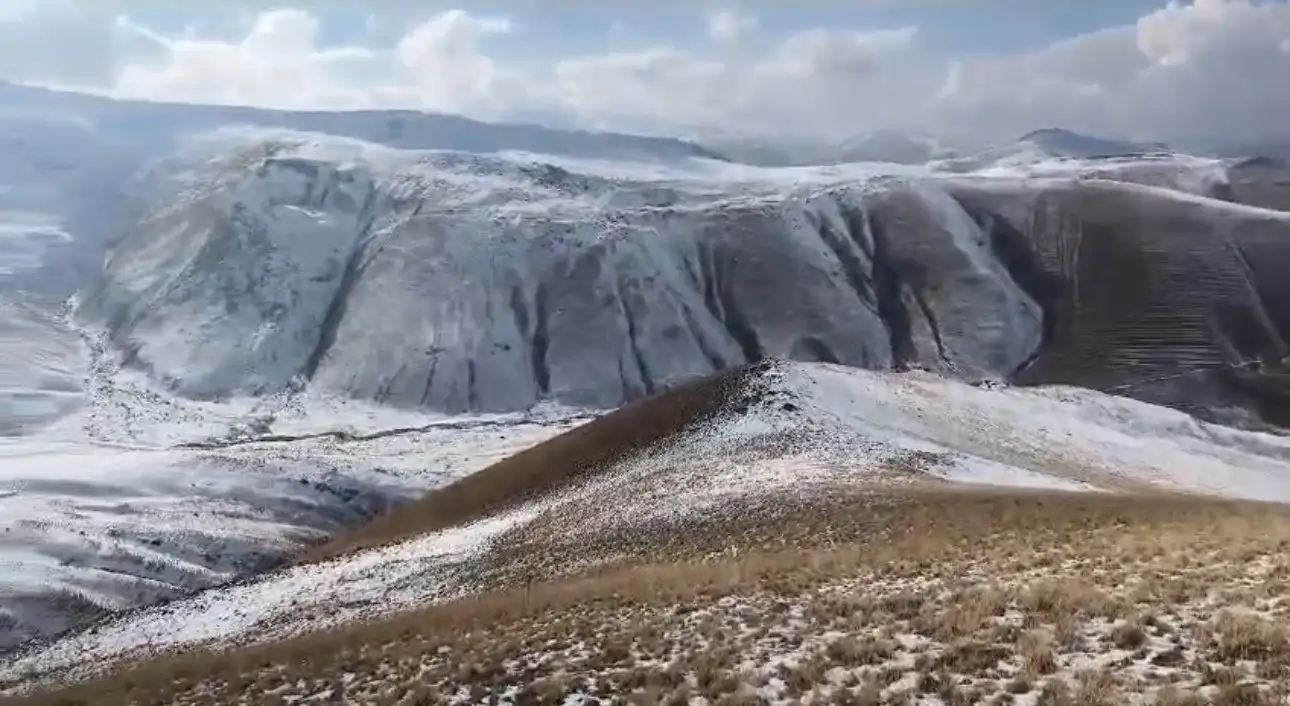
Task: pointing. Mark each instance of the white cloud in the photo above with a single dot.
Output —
(1203, 69)
(730, 25)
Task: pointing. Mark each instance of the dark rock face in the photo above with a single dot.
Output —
(1260, 181)
(463, 282)
(1175, 301)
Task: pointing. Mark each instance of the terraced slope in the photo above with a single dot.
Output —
(1172, 300)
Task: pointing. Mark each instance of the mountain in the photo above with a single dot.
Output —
(461, 282)
(1066, 143)
(901, 147)
(1050, 144)
(155, 125)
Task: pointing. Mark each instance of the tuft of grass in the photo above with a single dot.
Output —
(1129, 635)
(1239, 637)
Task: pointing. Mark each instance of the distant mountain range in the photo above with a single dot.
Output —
(156, 124)
(878, 146)
(895, 146)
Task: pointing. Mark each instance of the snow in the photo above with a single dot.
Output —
(123, 528)
(399, 576)
(832, 426)
(1066, 434)
(24, 240)
(1053, 147)
(98, 501)
(572, 278)
(102, 503)
(144, 124)
(261, 251)
(488, 282)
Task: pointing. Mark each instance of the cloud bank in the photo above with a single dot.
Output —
(1183, 72)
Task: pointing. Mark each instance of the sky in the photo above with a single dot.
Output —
(965, 70)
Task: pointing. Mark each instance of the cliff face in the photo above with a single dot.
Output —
(468, 282)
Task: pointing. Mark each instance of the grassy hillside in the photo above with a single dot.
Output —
(899, 589)
(1063, 598)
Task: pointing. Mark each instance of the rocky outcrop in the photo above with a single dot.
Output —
(465, 282)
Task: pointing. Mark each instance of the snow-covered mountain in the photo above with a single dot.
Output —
(1050, 144)
(229, 332)
(465, 282)
(901, 147)
(154, 127)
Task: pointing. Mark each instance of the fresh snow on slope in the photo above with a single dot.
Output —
(462, 282)
(105, 509)
(41, 366)
(403, 576)
(1065, 434)
(110, 529)
(813, 428)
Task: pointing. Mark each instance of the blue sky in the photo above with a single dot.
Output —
(971, 70)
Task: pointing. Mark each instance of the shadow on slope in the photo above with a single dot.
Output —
(1260, 181)
(1171, 299)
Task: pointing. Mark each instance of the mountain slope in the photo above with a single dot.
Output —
(263, 258)
(1164, 298)
(891, 146)
(802, 477)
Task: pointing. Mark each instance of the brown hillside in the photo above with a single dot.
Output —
(976, 597)
(549, 465)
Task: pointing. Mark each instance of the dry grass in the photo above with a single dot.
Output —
(547, 466)
(974, 597)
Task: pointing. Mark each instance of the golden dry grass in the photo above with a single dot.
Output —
(547, 466)
(976, 597)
